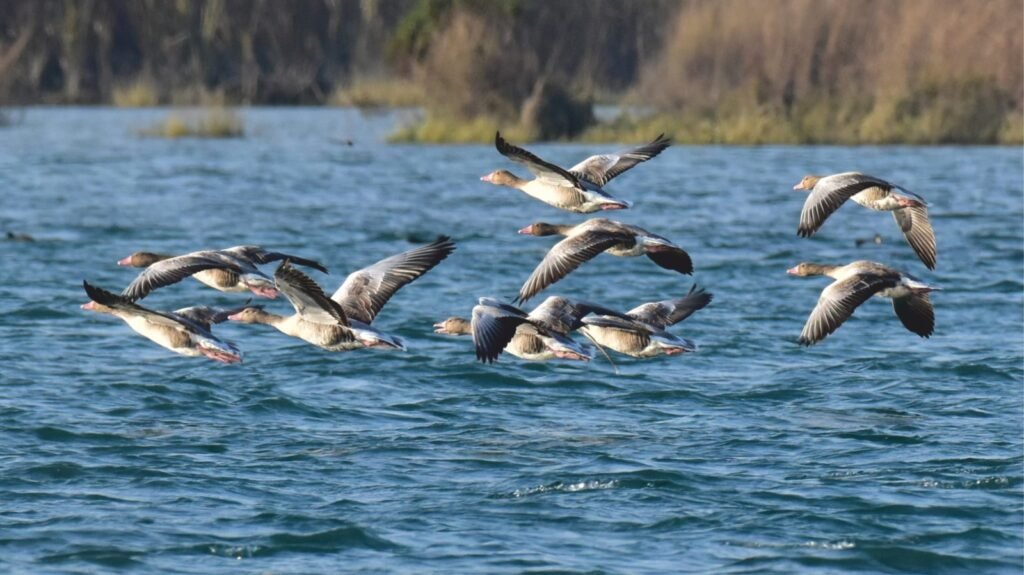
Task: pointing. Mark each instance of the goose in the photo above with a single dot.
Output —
(527, 343)
(539, 335)
(342, 322)
(185, 331)
(578, 189)
(854, 284)
(230, 270)
(909, 209)
(584, 241)
(645, 335)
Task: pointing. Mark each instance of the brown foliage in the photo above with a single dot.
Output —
(784, 51)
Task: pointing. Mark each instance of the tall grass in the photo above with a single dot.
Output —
(435, 129)
(140, 93)
(214, 122)
(871, 71)
(379, 93)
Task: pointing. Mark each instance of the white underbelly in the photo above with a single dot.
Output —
(158, 334)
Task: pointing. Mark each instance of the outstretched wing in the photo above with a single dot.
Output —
(918, 230)
(566, 256)
(173, 270)
(837, 302)
(493, 327)
(365, 291)
(830, 193)
(542, 169)
(209, 316)
(916, 313)
(600, 169)
(257, 254)
(563, 315)
(307, 297)
(672, 311)
(122, 303)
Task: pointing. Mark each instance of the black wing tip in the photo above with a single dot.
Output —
(315, 265)
(444, 243)
(501, 144)
(677, 261)
(660, 143)
(486, 358)
(804, 232)
(102, 296)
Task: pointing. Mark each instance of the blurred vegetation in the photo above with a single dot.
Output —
(379, 93)
(215, 122)
(721, 71)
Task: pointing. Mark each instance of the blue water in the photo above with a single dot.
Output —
(876, 451)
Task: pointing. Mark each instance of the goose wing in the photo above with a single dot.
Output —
(566, 256)
(493, 327)
(257, 254)
(828, 194)
(672, 311)
(562, 315)
(209, 316)
(365, 291)
(124, 304)
(173, 270)
(916, 313)
(918, 230)
(837, 302)
(541, 169)
(600, 169)
(307, 297)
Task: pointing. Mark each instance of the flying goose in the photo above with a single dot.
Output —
(854, 284)
(540, 335)
(232, 269)
(578, 189)
(186, 331)
(909, 209)
(584, 241)
(645, 335)
(342, 321)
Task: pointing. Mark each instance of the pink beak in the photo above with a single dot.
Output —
(486, 178)
(791, 271)
(235, 316)
(527, 230)
(125, 261)
(90, 305)
(798, 187)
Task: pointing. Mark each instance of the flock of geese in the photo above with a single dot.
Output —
(344, 320)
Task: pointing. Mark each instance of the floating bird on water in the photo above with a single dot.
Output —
(185, 331)
(19, 237)
(909, 209)
(877, 240)
(584, 241)
(342, 321)
(578, 189)
(854, 284)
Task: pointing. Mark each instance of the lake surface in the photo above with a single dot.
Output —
(875, 451)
